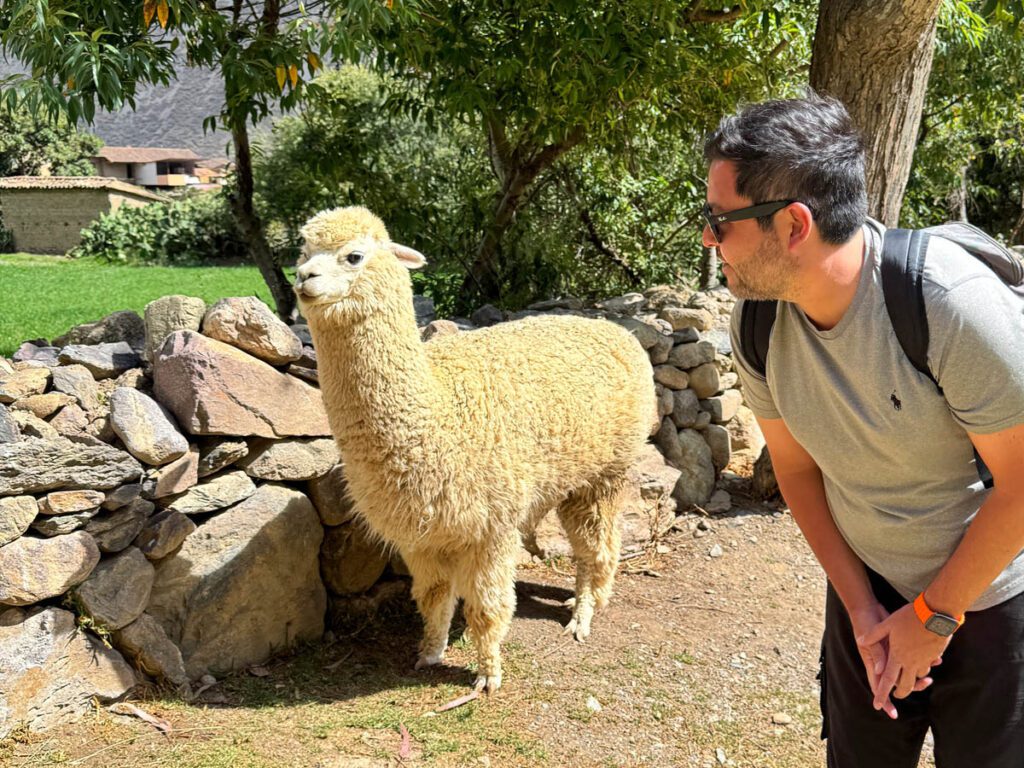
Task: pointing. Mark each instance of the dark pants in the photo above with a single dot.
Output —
(975, 707)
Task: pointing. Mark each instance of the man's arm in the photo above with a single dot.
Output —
(801, 484)
(994, 538)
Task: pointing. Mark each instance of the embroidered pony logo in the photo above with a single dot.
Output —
(895, 401)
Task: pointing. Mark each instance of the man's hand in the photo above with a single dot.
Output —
(874, 655)
(912, 652)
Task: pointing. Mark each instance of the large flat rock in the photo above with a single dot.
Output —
(35, 466)
(213, 388)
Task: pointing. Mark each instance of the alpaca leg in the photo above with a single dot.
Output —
(435, 598)
(490, 602)
(591, 522)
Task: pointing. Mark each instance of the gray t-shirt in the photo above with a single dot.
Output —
(898, 465)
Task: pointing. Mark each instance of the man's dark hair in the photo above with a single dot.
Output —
(805, 149)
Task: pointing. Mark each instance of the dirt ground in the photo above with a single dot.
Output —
(707, 656)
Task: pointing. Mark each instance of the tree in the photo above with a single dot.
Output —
(86, 54)
(29, 146)
(543, 77)
(876, 58)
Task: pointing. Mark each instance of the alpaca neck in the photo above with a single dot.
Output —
(379, 391)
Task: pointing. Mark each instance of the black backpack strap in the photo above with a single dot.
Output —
(903, 254)
(756, 321)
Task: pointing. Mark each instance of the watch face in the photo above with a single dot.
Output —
(941, 625)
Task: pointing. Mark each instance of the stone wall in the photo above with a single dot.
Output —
(170, 486)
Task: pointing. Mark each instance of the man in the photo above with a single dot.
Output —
(875, 462)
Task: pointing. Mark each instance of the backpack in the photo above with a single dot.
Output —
(902, 266)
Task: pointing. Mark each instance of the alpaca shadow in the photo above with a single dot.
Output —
(543, 602)
(368, 654)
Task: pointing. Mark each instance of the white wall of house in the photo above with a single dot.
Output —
(145, 174)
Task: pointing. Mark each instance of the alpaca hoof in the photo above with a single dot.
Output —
(487, 683)
(578, 628)
(429, 660)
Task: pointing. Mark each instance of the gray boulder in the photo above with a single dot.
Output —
(52, 671)
(147, 645)
(124, 325)
(117, 591)
(697, 482)
(16, 514)
(35, 569)
(144, 426)
(104, 361)
(35, 466)
(290, 460)
(249, 324)
(244, 585)
(350, 560)
(169, 314)
(216, 493)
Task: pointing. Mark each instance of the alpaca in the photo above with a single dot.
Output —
(452, 447)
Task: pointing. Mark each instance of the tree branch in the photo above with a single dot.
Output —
(606, 250)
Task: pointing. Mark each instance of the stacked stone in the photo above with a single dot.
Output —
(155, 486)
(171, 483)
(686, 336)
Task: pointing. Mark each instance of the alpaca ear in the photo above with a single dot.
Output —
(409, 257)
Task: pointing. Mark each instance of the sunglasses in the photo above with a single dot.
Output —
(715, 220)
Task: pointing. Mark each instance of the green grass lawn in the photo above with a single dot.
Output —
(44, 296)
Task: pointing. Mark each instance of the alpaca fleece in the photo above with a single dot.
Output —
(452, 447)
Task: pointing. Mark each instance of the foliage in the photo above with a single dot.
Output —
(972, 133)
(45, 295)
(30, 145)
(6, 238)
(543, 79)
(193, 230)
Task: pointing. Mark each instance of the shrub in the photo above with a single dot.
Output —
(198, 229)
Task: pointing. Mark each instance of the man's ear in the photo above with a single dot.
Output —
(800, 221)
(410, 258)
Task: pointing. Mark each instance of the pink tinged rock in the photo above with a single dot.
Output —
(145, 428)
(35, 466)
(176, 477)
(36, 569)
(71, 422)
(52, 671)
(247, 323)
(213, 388)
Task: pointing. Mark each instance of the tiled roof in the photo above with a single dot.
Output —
(145, 154)
(76, 182)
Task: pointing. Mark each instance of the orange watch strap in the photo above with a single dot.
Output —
(924, 612)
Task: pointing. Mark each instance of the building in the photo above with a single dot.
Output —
(152, 167)
(47, 214)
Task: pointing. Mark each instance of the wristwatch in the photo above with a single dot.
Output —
(940, 623)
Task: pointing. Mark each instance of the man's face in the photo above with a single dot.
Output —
(756, 263)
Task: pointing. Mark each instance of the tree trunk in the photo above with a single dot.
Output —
(251, 228)
(709, 269)
(483, 282)
(1017, 235)
(875, 56)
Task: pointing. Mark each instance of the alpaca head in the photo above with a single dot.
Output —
(349, 266)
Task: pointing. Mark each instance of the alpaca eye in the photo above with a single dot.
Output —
(355, 257)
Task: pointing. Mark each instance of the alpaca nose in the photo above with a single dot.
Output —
(306, 272)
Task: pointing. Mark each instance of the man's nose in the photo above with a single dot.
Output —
(708, 237)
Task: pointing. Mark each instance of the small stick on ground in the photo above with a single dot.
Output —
(454, 703)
